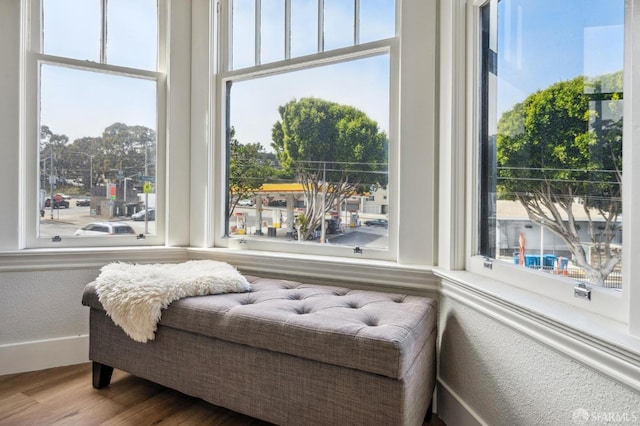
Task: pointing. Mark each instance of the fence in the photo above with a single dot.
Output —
(560, 265)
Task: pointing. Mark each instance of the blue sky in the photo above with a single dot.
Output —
(68, 99)
(545, 41)
(363, 83)
(81, 103)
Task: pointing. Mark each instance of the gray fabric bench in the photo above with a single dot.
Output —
(286, 352)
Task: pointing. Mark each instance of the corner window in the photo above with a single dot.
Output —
(307, 117)
(551, 138)
(96, 82)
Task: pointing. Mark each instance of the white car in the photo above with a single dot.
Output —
(142, 213)
(106, 228)
(248, 202)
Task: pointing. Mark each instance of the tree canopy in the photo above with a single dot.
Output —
(249, 168)
(317, 139)
(561, 146)
(120, 150)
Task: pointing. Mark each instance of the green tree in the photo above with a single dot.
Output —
(319, 140)
(130, 149)
(52, 158)
(83, 154)
(249, 168)
(558, 148)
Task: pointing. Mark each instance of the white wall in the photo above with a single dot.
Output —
(43, 321)
(507, 378)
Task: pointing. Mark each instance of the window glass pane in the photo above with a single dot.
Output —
(71, 28)
(97, 150)
(272, 31)
(294, 131)
(304, 27)
(243, 48)
(377, 20)
(132, 33)
(552, 136)
(338, 24)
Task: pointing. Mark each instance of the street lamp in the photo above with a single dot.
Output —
(125, 185)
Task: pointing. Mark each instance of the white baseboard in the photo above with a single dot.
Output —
(452, 410)
(41, 354)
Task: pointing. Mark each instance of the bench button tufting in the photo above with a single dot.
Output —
(371, 322)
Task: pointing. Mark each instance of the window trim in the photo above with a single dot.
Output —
(610, 303)
(417, 50)
(223, 74)
(31, 60)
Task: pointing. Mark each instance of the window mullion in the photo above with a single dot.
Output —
(356, 22)
(320, 25)
(103, 32)
(257, 31)
(287, 29)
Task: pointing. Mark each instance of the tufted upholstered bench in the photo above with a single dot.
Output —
(286, 352)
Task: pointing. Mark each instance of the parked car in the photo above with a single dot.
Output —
(378, 222)
(106, 228)
(57, 203)
(278, 203)
(248, 202)
(83, 202)
(142, 213)
(333, 226)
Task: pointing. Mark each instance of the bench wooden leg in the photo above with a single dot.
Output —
(101, 375)
(429, 416)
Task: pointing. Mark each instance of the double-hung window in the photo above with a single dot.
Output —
(305, 99)
(94, 91)
(553, 125)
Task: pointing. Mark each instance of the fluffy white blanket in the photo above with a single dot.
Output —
(134, 295)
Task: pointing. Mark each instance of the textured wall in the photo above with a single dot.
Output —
(510, 379)
(43, 305)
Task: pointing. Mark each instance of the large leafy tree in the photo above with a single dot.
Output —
(322, 141)
(249, 168)
(562, 146)
(130, 149)
(121, 148)
(52, 147)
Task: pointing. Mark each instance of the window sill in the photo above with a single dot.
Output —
(593, 340)
(82, 258)
(325, 269)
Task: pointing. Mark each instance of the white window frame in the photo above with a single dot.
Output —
(412, 159)
(610, 303)
(397, 251)
(30, 88)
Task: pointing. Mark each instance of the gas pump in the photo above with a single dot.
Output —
(241, 223)
(353, 220)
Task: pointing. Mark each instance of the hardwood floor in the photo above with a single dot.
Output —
(64, 396)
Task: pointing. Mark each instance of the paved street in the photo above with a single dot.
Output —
(65, 222)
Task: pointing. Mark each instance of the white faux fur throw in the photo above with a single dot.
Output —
(134, 295)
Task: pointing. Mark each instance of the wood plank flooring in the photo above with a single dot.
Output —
(64, 396)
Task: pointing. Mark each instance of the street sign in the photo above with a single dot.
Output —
(147, 187)
(147, 178)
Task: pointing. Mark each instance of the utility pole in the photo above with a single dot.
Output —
(146, 194)
(324, 192)
(51, 181)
